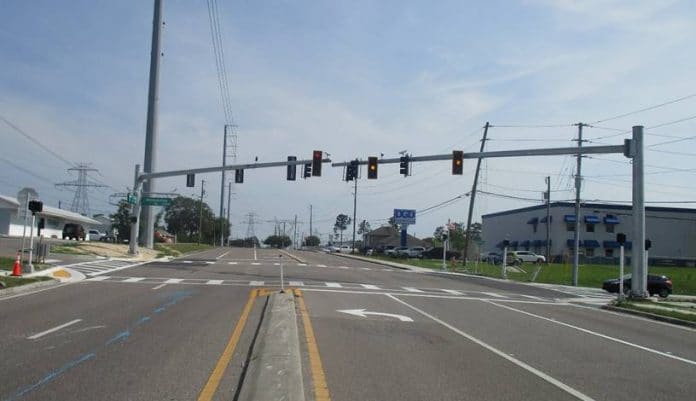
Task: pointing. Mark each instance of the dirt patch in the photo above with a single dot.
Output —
(110, 250)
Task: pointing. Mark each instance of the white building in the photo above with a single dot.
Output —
(49, 223)
(672, 231)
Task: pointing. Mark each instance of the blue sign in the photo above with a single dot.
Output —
(404, 216)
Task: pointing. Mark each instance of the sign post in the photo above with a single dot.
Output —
(621, 239)
(404, 217)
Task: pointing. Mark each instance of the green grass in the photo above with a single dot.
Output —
(67, 248)
(6, 263)
(179, 249)
(17, 281)
(675, 313)
(683, 278)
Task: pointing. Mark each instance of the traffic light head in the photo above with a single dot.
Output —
(621, 238)
(190, 180)
(35, 206)
(403, 165)
(457, 162)
(239, 176)
(352, 170)
(307, 170)
(648, 244)
(316, 163)
(292, 169)
(372, 167)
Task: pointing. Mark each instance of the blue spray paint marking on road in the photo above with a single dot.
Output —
(49, 377)
(122, 336)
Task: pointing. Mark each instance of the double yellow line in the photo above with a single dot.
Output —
(321, 390)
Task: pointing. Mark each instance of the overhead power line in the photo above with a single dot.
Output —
(220, 65)
(645, 109)
(35, 141)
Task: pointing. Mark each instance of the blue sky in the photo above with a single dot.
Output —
(355, 79)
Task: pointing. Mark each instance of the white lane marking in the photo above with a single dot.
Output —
(209, 263)
(174, 281)
(500, 353)
(214, 282)
(370, 287)
(276, 264)
(642, 319)
(594, 333)
(255, 256)
(256, 283)
(159, 286)
(133, 279)
(343, 267)
(321, 265)
(231, 263)
(493, 294)
(186, 261)
(49, 331)
(333, 285)
(388, 270)
(411, 289)
(98, 278)
(256, 264)
(531, 297)
(296, 284)
(365, 313)
(223, 255)
(453, 292)
(302, 264)
(365, 268)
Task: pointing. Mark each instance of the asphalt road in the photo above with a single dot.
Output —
(181, 330)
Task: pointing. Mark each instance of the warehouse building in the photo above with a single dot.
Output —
(49, 223)
(671, 230)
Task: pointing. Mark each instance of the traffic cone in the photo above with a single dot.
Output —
(17, 268)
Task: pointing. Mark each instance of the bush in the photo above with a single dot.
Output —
(436, 253)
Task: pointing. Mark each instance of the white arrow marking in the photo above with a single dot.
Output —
(364, 313)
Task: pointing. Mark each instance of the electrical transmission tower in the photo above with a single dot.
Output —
(250, 225)
(80, 202)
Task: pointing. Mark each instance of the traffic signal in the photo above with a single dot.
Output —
(35, 206)
(372, 167)
(621, 238)
(316, 163)
(352, 171)
(307, 170)
(403, 165)
(239, 176)
(190, 180)
(457, 162)
(648, 244)
(292, 169)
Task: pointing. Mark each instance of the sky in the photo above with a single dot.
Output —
(354, 79)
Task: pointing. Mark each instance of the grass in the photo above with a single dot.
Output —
(8, 263)
(17, 281)
(674, 313)
(179, 249)
(684, 278)
(67, 248)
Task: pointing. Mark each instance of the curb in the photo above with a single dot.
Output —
(275, 366)
(296, 258)
(379, 262)
(28, 287)
(653, 316)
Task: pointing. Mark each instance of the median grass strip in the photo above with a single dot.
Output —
(10, 281)
(684, 278)
(179, 249)
(656, 309)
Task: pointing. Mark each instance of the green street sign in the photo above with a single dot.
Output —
(147, 201)
(131, 199)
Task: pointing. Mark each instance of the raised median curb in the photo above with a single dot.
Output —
(275, 366)
(383, 262)
(295, 257)
(649, 315)
(28, 288)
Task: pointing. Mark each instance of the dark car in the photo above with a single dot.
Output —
(660, 285)
(73, 231)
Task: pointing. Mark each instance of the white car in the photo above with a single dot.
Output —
(525, 256)
(396, 251)
(414, 252)
(95, 235)
(344, 249)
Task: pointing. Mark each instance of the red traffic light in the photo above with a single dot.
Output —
(316, 163)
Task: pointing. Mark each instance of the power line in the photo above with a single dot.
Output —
(645, 109)
(35, 141)
(530, 125)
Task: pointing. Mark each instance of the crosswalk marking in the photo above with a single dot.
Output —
(174, 281)
(411, 289)
(494, 295)
(209, 263)
(302, 264)
(187, 261)
(321, 265)
(231, 263)
(215, 282)
(365, 268)
(333, 285)
(133, 279)
(531, 297)
(256, 263)
(256, 283)
(370, 286)
(276, 264)
(453, 292)
(343, 267)
(98, 278)
(296, 284)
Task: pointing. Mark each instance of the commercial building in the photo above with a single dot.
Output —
(672, 232)
(49, 223)
(388, 235)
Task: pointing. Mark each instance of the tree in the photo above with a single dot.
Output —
(312, 240)
(278, 241)
(341, 224)
(364, 227)
(121, 220)
(182, 218)
(392, 222)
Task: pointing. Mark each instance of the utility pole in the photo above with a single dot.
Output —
(548, 219)
(200, 213)
(578, 186)
(472, 198)
(229, 194)
(355, 209)
(294, 234)
(150, 164)
(222, 184)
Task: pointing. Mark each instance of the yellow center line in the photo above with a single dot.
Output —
(214, 380)
(321, 389)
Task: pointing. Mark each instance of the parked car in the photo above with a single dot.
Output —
(74, 231)
(660, 285)
(436, 253)
(344, 249)
(491, 257)
(108, 238)
(413, 252)
(395, 251)
(519, 257)
(95, 235)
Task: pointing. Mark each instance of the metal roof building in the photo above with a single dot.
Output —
(49, 223)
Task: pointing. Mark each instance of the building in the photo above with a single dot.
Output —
(672, 232)
(49, 223)
(388, 235)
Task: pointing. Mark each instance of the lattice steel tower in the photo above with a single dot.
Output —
(80, 202)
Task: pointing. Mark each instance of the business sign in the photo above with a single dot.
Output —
(404, 216)
(148, 201)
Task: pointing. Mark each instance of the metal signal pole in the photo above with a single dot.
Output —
(548, 219)
(222, 185)
(355, 209)
(200, 213)
(229, 194)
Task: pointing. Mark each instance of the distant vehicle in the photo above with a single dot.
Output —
(519, 257)
(344, 249)
(95, 235)
(74, 231)
(396, 251)
(108, 238)
(660, 285)
(414, 252)
(491, 257)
